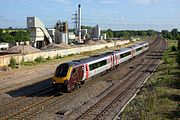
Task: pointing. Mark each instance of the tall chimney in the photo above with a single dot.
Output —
(79, 22)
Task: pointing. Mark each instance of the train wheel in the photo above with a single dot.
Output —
(78, 85)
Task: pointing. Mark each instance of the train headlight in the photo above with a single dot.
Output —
(53, 81)
(65, 82)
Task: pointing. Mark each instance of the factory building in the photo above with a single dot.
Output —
(72, 36)
(40, 36)
(51, 32)
(96, 32)
(38, 33)
(83, 33)
(61, 32)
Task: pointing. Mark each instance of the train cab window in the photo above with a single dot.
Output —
(74, 71)
(62, 70)
(146, 46)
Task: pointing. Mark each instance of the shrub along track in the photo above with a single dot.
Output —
(108, 106)
(23, 108)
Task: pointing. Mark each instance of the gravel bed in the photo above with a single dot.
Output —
(75, 100)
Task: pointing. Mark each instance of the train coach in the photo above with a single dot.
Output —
(74, 73)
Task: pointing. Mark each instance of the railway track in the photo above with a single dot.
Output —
(5, 108)
(50, 102)
(14, 86)
(104, 107)
(34, 106)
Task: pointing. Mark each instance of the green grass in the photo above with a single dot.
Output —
(159, 99)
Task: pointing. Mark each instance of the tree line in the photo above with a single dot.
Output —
(14, 36)
(174, 34)
(129, 33)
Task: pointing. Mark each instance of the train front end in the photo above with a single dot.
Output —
(61, 76)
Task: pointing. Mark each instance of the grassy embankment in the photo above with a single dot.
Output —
(159, 99)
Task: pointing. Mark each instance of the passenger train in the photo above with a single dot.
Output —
(71, 74)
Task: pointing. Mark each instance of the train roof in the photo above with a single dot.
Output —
(123, 50)
(96, 57)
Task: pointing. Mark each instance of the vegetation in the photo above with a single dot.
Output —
(129, 33)
(57, 57)
(172, 35)
(13, 63)
(159, 98)
(39, 59)
(14, 36)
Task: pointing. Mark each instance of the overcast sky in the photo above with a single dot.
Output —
(114, 14)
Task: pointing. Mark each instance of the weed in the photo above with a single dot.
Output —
(173, 48)
(58, 56)
(39, 59)
(13, 63)
(48, 58)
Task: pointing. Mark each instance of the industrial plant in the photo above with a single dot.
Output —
(41, 36)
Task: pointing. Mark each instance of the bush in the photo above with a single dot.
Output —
(39, 59)
(57, 56)
(166, 57)
(13, 63)
(173, 48)
(48, 58)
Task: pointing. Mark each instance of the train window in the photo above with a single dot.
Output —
(62, 70)
(97, 65)
(74, 70)
(146, 46)
(125, 54)
(138, 49)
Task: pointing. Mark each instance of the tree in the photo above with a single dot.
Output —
(151, 32)
(8, 38)
(109, 33)
(86, 27)
(174, 33)
(21, 36)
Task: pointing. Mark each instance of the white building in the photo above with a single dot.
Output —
(72, 36)
(4, 46)
(104, 36)
(39, 35)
